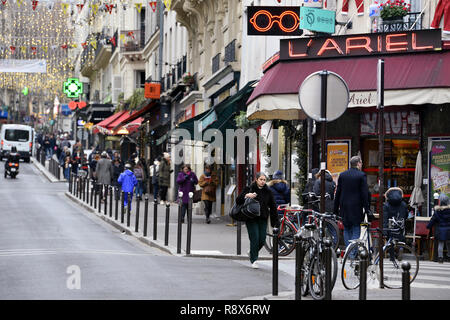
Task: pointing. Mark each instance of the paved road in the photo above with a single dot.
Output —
(47, 241)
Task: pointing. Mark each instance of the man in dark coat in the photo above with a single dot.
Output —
(441, 218)
(164, 177)
(351, 199)
(396, 208)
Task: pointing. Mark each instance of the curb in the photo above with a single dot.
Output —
(159, 244)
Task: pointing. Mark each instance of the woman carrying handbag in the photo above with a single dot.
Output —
(256, 227)
(208, 182)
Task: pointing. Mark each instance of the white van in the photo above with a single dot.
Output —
(18, 135)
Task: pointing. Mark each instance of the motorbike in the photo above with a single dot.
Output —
(11, 169)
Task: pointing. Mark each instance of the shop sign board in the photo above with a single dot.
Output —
(338, 157)
(273, 21)
(316, 19)
(396, 123)
(439, 167)
(368, 44)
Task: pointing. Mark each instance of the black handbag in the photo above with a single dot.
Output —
(247, 211)
(197, 196)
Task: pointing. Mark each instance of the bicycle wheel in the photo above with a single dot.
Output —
(316, 277)
(394, 256)
(286, 243)
(305, 269)
(332, 232)
(350, 267)
(268, 244)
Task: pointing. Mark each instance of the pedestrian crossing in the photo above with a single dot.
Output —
(432, 275)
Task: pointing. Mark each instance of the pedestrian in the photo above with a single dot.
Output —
(67, 164)
(139, 174)
(208, 181)
(154, 174)
(394, 207)
(280, 189)
(441, 218)
(351, 199)
(164, 177)
(308, 193)
(257, 227)
(104, 172)
(186, 181)
(128, 182)
(330, 188)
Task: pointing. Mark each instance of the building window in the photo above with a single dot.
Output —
(230, 51)
(140, 78)
(216, 63)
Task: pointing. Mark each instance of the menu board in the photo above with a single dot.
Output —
(440, 167)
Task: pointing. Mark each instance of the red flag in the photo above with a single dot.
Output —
(80, 7)
(153, 5)
(64, 46)
(4, 2)
(33, 49)
(84, 44)
(13, 49)
(34, 3)
(109, 7)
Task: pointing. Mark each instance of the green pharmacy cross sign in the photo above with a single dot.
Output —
(73, 88)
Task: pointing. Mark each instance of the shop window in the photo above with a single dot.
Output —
(399, 166)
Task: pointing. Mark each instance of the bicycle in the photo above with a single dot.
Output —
(394, 252)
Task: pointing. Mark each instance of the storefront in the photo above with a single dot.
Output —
(417, 102)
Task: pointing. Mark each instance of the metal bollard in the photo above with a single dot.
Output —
(105, 199)
(166, 234)
(87, 190)
(299, 256)
(70, 183)
(238, 237)
(92, 194)
(100, 191)
(76, 187)
(116, 196)
(95, 198)
(111, 198)
(327, 252)
(83, 188)
(189, 224)
(122, 207)
(275, 262)
(406, 288)
(138, 204)
(155, 219)
(128, 209)
(363, 274)
(180, 226)
(145, 215)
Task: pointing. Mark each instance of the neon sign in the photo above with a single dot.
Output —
(273, 21)
(360, 44)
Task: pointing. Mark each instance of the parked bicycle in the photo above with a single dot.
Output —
(394, 253)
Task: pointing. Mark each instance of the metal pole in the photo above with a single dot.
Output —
(275, 262)
(145, 215)
(363, 274)
(87, 190)
(166, 234)
(83, 188)
(92, 194)
(128, 208)
(138, 204)
(406, 289)
(95, 197)
(99, 197)
(111, 198)
(380, 107)
(238, 235)
(70, 183)
(299, 256)
(116, 197)
(323, 134)
(155, 218)
(328, 288)
(179, 229)
(122, 209)
(189, 226)
(105, 188)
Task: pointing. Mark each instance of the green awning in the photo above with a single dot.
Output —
(221, 116)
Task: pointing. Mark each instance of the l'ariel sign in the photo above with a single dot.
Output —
(361, 44)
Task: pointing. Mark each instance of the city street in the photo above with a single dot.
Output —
(46, 238)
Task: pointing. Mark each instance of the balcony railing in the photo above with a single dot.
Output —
(131, 40)
(408, 23)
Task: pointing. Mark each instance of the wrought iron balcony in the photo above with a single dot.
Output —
(132, 40)
(412, 21)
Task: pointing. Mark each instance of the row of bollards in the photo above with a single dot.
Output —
(87, 191)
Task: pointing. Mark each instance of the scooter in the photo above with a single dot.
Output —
(11, 169)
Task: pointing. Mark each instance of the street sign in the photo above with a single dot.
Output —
(337, 96)
(316, 19)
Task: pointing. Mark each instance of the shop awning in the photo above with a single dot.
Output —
(104, 126)
(222, 115)
(420, 78)
(135, 118)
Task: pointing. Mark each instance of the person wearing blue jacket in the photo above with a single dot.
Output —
(441, 218)
(280, 189)
(128, 181)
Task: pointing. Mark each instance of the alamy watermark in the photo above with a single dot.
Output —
(74, 280)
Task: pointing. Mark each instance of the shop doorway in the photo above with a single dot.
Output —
(399, 166)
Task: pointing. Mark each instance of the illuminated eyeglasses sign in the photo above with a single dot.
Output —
(361, 44)
(273, 21)
(74, 105)
(73, 88)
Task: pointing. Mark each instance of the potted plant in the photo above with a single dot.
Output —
(394, 10)
(188, 79)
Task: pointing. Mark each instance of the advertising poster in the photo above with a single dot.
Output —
(440, 167)
(337, 157)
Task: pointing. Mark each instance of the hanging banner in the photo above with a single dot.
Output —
(27, 66)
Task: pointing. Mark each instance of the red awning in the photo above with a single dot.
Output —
(106, 124)
(419, 70)
(134, 118)
(405, 74)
